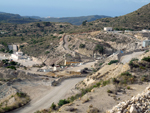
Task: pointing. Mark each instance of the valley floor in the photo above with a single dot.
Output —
(54, 94)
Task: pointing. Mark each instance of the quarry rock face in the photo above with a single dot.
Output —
(137, 104)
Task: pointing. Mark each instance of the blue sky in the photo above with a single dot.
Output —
(70, 8)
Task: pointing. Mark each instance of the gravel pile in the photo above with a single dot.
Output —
(138, 104)
(6, 91)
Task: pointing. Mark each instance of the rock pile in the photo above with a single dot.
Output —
(138, 104)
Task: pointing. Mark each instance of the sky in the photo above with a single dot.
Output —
(71, 8)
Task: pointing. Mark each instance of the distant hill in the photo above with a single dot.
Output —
(15, 18)
(35, 17)
(72, 20)
(137, 20)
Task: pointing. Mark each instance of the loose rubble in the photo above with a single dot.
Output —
(137, 104)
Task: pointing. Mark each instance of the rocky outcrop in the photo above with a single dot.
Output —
(137, 104)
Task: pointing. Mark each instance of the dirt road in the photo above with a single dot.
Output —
(127, 58)
(54, 95)
(80, 67)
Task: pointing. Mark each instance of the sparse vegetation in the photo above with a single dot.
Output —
(146, 59)
(20, 100)
(132, 63)
(99, 48)
(62, 102)
(11, 67)
(82, 46)
(109, 91)
(112, 62)
(53, 106)
(128, 87)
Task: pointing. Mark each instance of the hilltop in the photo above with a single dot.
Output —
(15, 18)
(114, 65)
(73, 20)
(135, 21)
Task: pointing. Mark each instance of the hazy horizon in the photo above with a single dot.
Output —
(71, 8)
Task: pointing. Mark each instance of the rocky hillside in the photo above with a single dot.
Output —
(45, 40)
(110, 84)
(15, 18)
(137, 104)
(74, 20)
(136, 20)
(16, 88)
(93, 45)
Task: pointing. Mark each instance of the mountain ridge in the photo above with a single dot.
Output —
(17, 19)
(72, 20)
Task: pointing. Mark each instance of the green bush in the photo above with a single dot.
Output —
(82, 46)
(38, 25)
(100, 64)
(7, 108)
(84, 91)
(47, 52)
(53, 106)
(99, 48)
(146, 51)
(125, 73)
(62, 102)
(54, 36)
(144, 78)
(109, 91)
(13, 63)
(22, 95)
(146, 59)
(98, 84)
(61, 32)
(106, 82)
(126, 77)
(112, 62)
(2, 50)
(128, 87)
(11, 51)
(132, 64)
(114, 80)
(11, 67)
(46, 23)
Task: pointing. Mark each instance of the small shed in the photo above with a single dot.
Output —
(19, 53)
(13, 47)
(145, 30)
(108, 28)
(47, 70)
(146, 43)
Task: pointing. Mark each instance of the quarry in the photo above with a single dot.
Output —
(102, 66)
(80, 68)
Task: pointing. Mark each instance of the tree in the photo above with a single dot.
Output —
(14, 33)
(62, 102)
(60, 26)
(99, 48)
(82, 46)
(38, 25)
(53, 106)
(46, 23)
(84, 23)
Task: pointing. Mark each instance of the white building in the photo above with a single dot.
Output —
(19, 53)
(17, 56)
(56, 68)
(145, 30)
(13, 48)
(146, 43)
(108, 28)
